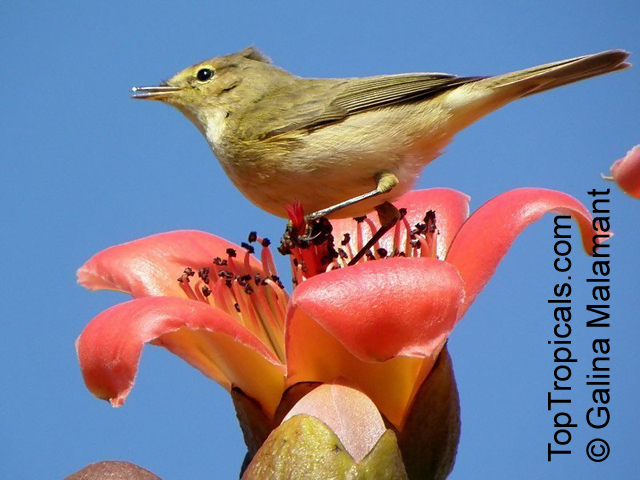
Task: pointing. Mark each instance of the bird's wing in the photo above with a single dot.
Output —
(315, 103)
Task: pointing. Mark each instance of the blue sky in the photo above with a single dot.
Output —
(84, 167)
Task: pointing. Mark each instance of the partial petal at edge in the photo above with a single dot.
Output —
(486, 237)
(150, 266)
(110, 346)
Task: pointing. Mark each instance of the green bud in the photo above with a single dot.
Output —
(305, 447)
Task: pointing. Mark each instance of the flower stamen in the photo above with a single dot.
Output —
(255, 300)
(311, 247)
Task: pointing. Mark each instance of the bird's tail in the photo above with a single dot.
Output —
(545, 77)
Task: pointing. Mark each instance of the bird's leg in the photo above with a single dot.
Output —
(389, 216)
(385, 182)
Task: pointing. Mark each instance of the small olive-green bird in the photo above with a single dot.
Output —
(341, 147)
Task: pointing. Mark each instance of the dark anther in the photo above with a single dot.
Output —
(325, 226)
(241, 281)
(360, 219)
(219, 262)
(184, 278)
(402, 254)
(257, 279)
(345, 239)
(295, 262)
(403, 212)
(318, 232)
(203, 273)
(382, 253)
(206, 291)
(276, 280)
(247, 247)
(253, 236)
(430, 220)
(237, 307)
(231, 252)
(420, 228)
(266, 242)
(189, 272)
(294, 281)
(248, 289)
(342, 253)
(430, 216)
(369, 255)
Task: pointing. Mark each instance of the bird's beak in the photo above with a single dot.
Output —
(160, 92)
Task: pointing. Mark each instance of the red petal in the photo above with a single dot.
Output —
(351, 415)
(485, 238)
(151, 266)
(626, 172)
(451, 207)
(380, 325)
(385, 308)
(110, 346)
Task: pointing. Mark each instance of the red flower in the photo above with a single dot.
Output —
(626, 172)
(380, 324)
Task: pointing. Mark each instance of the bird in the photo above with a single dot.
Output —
(341, 147)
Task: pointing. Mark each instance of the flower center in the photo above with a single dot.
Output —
(256, 300)
(312, 246)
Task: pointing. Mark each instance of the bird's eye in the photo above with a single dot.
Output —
(204, 74)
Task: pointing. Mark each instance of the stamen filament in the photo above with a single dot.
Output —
(359, 239)
(275, 336)
(332, 266)
(186, 288)
(281, 297)
(221, 293)
(407, 239)
(373, 230)
(198, 293)
(268, 262)
(396, 236)
(242, 300)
